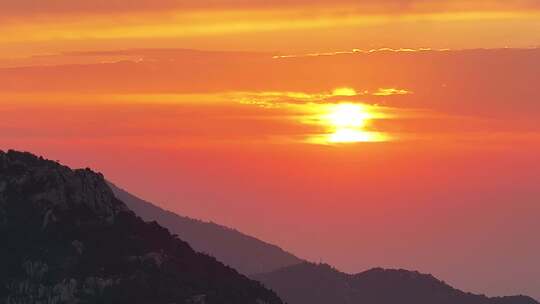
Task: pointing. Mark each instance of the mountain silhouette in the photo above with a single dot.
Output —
(244, 253)
(308, 283)
(67, 239)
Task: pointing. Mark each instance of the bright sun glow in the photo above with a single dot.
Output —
(347, 123)
(348, 115)
(354, 135)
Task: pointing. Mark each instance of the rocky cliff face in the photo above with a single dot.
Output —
(55, 189)
(67, 239)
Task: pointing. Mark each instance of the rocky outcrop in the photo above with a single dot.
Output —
(52, 188)
(67, 239)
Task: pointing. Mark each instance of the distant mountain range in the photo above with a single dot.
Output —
(308, 283)
(246, 254)
(65, 238)
(299, 282)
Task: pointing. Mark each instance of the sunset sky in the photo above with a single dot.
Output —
(393, 133)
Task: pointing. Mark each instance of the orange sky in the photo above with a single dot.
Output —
(331, 128)
(30, 27)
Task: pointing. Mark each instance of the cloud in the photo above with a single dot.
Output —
(391, 91)
(473, 82)
(354, 51)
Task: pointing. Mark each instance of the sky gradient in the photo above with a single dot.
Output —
(31, 27)
(375, 133)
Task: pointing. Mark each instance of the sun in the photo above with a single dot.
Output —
(345, 123)
(347, 115)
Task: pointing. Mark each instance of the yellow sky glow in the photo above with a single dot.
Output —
(345, 123)
(184, 28)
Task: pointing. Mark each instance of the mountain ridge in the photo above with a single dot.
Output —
(70, 239)
(242, 252)
(67, 239)
(329, 272)
(303, 284)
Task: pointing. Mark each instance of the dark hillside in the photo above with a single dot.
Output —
(67, 239)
